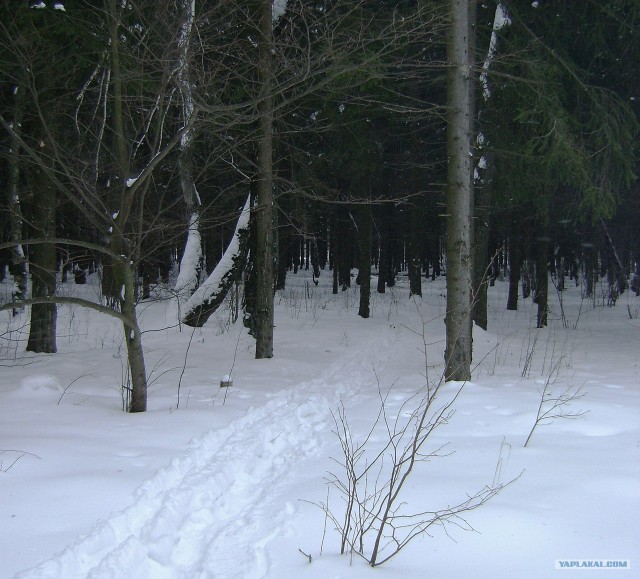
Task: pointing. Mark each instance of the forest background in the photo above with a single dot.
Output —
(134, 135)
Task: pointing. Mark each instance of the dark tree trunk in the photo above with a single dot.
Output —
(481, 258)
(264, 258)
(364, 272)
(393, 246)
(383, 251)
(415, 249)
(515, 265)
(285, 244)
(43, 266)
(542, 279)
(344, 250)
(333, 241)
(18, 265)
(315, 259)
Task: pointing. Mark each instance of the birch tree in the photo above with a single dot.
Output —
(210, 295)
(191, 262)
(483, 177)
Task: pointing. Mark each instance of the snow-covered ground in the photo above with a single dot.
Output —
(220, 483)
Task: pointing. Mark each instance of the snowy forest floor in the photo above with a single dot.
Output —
(220, 483)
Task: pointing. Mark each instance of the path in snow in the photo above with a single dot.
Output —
(211, 512)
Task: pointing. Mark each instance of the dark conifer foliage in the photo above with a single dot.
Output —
(338, 114)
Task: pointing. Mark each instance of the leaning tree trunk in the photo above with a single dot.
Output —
(210, 295)
(192, 260)
(459, 193)
(42, 330)
(264, 258)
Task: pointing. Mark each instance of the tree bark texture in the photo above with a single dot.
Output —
(192, 258)
(123, 271)
(459, 194)
(264, 258)
(43, 267)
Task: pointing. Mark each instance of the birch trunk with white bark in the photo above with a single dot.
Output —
(191, 261)
(210, 295)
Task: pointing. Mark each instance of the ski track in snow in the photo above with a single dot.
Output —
(211, 512)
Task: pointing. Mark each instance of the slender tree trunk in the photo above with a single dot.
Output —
(133, 337)
(285, 243)
(42, 331)
(333, 242)
(192, 259)
(344, 251)
(364, 272)
(393, 247)
(383, 253)
(415, 249)
(485, 168)
(264, 259)
(542, 279)
(18, 268)
(515, 264)
(459, 193)
(123, 271)
(481, 229)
